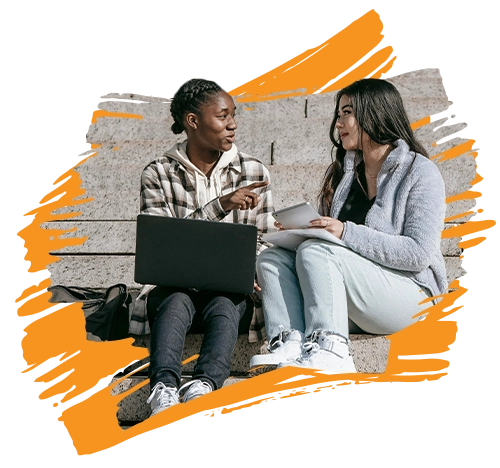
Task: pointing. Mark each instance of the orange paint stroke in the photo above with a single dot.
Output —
(102, 406)
(421, 122)
(468, 195)
(375, 66)
(31, 301)
(98, 114)
(471, 243)
(189, 359)
(458, 216)
(454, 152)
(477, 179)
(92, 423)
(40, 241)
(469, 227)
(316, 67)
(89, 362)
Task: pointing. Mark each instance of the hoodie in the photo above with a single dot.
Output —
(172, 185)
(206, 188)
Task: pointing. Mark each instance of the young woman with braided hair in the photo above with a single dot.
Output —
(204, 177)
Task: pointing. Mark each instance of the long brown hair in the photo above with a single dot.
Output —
(379, 111)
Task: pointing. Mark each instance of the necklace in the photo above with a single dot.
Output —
(360, 184)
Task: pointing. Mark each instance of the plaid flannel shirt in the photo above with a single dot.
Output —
(166, 190)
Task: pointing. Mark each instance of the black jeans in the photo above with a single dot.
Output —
(174, 312)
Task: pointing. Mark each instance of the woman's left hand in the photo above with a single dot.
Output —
(332, 225)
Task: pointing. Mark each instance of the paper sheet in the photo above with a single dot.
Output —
(291, 238)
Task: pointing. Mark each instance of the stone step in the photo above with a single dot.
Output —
(415, 85)
(369, 352)
(296, 128)
(112, 179)
(300, 150)
(110, 237)
(290, 131)
(101, 271)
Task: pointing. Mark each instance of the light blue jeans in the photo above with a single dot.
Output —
(325, 286)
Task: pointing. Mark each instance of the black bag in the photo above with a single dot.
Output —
(106, 313)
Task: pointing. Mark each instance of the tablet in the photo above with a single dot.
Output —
(296, 216)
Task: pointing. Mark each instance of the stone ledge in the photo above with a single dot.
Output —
(369, 352)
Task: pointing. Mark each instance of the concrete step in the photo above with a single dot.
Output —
(296, 127)
(101, 271)
(109, 237)
(111, 180)
(128, 159)
(415, 85)
(260, 132)
(369, 353)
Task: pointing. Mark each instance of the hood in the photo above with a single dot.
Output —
(207, 188)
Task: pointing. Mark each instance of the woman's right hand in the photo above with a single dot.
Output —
(279, 226)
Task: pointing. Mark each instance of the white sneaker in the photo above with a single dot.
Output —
(162, 397)
(328, 352)
(194, 389)
(286, 347)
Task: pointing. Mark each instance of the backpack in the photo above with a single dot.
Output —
(106, 313)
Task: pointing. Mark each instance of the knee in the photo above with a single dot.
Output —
(177, 301)
(313, 247)
(222, 306)
(271, 258)
(266, 256)
(176, 308)
(309, 244)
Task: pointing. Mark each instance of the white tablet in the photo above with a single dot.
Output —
(296, 216)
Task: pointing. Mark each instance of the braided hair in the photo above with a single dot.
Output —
(190, 97)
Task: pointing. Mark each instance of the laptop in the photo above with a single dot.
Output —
(191, 253)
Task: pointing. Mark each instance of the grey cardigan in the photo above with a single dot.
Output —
(403, 228)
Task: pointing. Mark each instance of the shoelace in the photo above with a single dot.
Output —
(277, 342)
(167, 396)
(310, 348)
(195, 388)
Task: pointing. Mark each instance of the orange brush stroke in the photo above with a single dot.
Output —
(92, 423)
(468, 195)
(326, 67)
(117, 115)
(40, 241)
(458, 216)
(421, 122)
(454, 152)
(467, 228)
(471, 243)
(476, 180)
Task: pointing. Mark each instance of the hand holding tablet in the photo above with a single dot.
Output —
(297, 216)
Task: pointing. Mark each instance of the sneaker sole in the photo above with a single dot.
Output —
(258, 370)
(347, 370)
